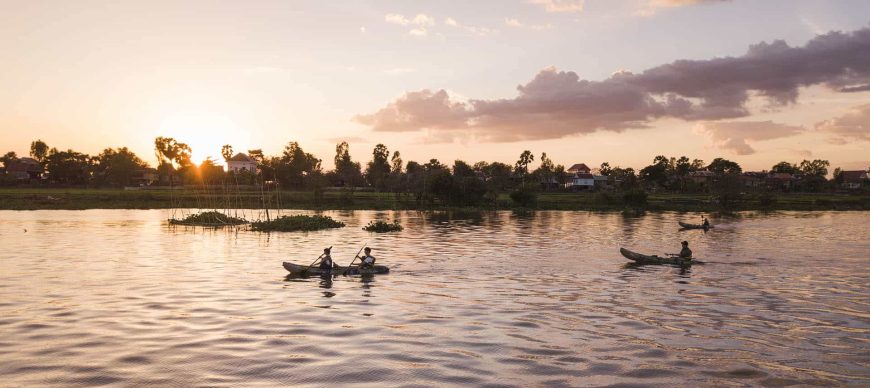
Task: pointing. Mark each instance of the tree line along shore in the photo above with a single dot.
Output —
(117, 178)
(84, 198)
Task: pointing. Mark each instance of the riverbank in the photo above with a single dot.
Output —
(79, 199)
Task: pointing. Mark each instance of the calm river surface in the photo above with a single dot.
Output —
(117, 297)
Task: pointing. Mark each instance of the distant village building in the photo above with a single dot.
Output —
(580, 177)
(854, 179)
(780, 181)
(24, 169)
(241, 162)
(753, 179)
(144, 177)
(702, 178)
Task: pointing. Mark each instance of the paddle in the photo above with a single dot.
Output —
(354, 258)
(304, 271)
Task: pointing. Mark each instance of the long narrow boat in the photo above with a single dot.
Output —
(297, 269)
(694, 226)
(653, 259)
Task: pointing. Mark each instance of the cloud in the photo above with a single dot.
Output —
(417, 111)
(419, 22)
(735, 136)
(559, 103)
(681, 3)
(396, 19)
(652, 6)
(559, 5)
(480, 31)
(513, 22)
(854, 125)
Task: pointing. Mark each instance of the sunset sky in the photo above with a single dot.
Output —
(585, 81)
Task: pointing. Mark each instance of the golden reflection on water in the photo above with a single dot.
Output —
(537, 298)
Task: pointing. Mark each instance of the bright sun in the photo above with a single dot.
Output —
(205, 134)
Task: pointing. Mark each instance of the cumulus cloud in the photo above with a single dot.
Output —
(475, 30)
(680, 3)
(736, 136)
(854, 125)
(419, 22)
(559, 5)
(651, 6)
(516, 23)
(417, 111)
(559, 103)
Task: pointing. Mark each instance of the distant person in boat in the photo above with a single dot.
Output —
(367, 260)
(706, 223)
(326, 263)
(686, 253)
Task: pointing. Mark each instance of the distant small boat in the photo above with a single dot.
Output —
(297, 269)
(653, 259)
(694, 226)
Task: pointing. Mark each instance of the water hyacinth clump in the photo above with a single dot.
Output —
(383, 227)
(209, 218)
(297, 223)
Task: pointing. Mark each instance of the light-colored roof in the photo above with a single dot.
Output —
(241, 157)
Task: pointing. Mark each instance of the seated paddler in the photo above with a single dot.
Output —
(367, 260)
(686, 253)
(326, 263)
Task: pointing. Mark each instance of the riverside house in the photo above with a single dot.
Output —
(24, 169)
(854, 180)
(242, 162)
(580, 177)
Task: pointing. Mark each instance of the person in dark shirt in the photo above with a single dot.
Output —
(326, 263)
(368, 261)
(686, 253)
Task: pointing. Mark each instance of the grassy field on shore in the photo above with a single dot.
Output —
(76, 198)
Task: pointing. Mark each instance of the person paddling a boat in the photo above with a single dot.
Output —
(326, 263)
(367, 260)
(686, 253)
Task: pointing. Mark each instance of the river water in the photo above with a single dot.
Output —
(117, 297)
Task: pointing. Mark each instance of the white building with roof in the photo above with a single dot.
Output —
(242, 162)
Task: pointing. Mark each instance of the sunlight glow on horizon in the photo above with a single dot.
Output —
(205, 134)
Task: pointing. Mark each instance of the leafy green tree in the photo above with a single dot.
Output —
(9, 157)
(521, 167)
(605, 169)
(295, 166)
(227, 152)
(39, 151)
(545, 171)
(497, 175)
(817, 168)
(68, 167)
(721, 167)
(378, 169)
(347, 172)
(784, 168)
(117, 167)
(656, 174)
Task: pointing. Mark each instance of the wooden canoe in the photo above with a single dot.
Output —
(297, 269)
(694, 226)
(653, 259)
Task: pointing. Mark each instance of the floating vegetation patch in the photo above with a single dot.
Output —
(296, 223)
(211, 218)
(383, 227)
